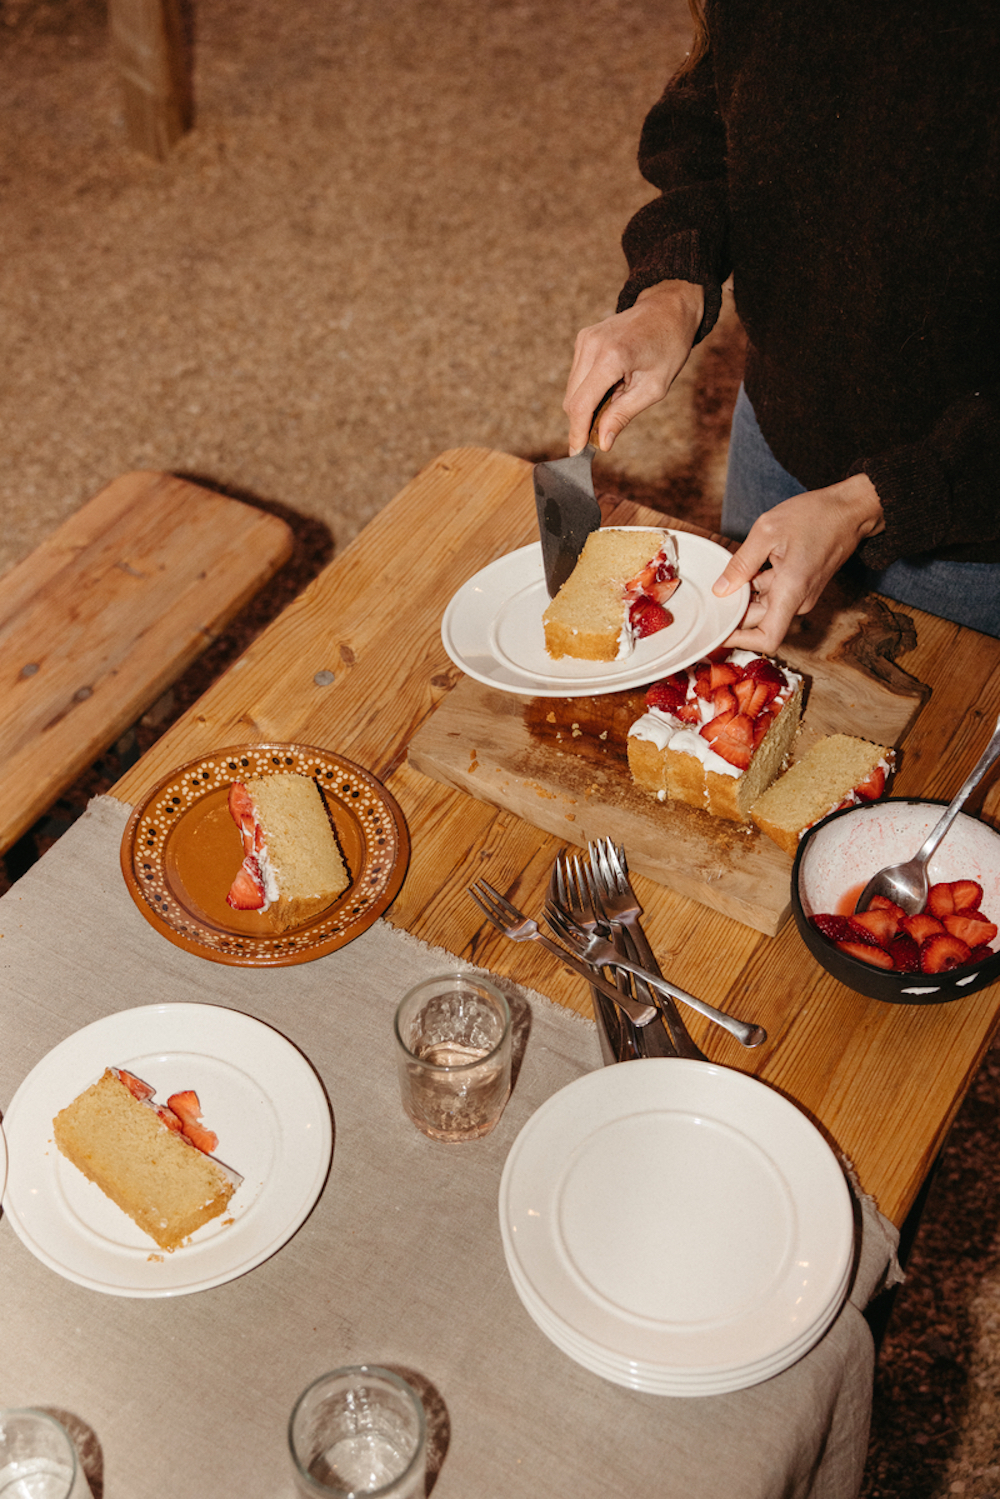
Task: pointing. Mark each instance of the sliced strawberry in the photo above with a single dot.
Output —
(724, 700)
(943, 952)
(868, 952)
(715, 726)
(135, 1085)
(980, 954)
(240, 803)
(689, 712)
(188, 1109)
(875, 925)
(837, 928)
(667, 695)
(971, 926)
(871, 789)
(921, 926)
(753, 695)
(170, 1119)
(883, 903)
(646, 616)
(954, 895)
(764, 670)
(663, 584)
(905, 954)
(737, 755)
(703, 679)
(247, 891)
(724, 674)
(761, 724)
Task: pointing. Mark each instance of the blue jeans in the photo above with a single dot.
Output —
(967, 593)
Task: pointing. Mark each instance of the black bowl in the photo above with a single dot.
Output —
(838, 857)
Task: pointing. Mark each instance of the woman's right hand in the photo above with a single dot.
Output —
(640, 350)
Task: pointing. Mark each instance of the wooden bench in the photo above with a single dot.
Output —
(101, 618)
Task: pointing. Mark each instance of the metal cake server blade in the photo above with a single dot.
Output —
(567, 507)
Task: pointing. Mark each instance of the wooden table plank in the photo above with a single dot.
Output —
(102, 617)
(884, 1081)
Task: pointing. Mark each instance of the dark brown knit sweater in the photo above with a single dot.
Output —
(842, 162)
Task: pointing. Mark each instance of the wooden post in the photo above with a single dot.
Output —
(151, 54)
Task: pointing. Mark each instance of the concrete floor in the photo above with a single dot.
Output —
(377, 243)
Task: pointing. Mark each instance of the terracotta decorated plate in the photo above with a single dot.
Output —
(181, 850)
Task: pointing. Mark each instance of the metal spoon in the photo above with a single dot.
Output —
(906, 883)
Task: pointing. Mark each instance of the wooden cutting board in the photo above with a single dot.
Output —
(561, 763)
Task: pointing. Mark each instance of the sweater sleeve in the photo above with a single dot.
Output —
(939, 494)
(684, 233)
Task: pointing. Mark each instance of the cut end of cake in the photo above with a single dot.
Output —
(837, 771)
(717, 734)
(616, 594)
(166, 1185)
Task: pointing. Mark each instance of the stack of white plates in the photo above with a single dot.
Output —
(676, 1227)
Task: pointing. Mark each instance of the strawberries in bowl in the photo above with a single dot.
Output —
(940, 954)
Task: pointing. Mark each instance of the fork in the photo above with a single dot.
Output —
(621, 910)
(571, 878)
(594, 949)
(617, 1037)
(520, 928)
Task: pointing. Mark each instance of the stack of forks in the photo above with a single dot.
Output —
(595, 916)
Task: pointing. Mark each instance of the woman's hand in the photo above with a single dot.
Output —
(641, 350)
(805, 540)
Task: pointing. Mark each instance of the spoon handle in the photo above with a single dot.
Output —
(986, 759)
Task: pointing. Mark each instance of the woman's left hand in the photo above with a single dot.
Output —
(805, 540)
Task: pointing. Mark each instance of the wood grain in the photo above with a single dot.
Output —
(99, 620)
(883, 1081)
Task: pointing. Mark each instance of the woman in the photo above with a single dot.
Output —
(844, 169)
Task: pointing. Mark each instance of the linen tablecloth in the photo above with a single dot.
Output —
(400, 1263)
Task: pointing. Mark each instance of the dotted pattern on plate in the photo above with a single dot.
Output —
(357, 791)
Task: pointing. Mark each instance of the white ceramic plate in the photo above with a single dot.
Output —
(678, 1217)
(492, 629)
(257, 1092)
(3, 1162)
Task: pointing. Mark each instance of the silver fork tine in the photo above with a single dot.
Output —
(615, 1032)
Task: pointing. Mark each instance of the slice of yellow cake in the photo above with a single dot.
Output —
(839, 771)
(122, 1143)
(615, 595)
(292, 866)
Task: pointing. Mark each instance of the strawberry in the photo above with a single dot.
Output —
(883, 903)
(875, 925)
(763, 670)
(703, 679)
(723, 674)
(724, 700)
(953, 895)
(663, 583)
(689, 712)
(868, 952)
(247, 890)
(715, 726)
(761, 724)
(734, 742)
(753, 695)
(971, 926)
(188, 1109)
(871, 789)
(646, 616)
(170, 1119)
(921, 926)
(135, 1085)
(837, 928)
(905, 954)
(943, 952)
(667, 695)
(240, 803)
(980, 954)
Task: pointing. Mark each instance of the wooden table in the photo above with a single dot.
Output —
(356, 664)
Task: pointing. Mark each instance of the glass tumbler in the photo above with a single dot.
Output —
(359, 1431)
(453, 1051)
(37, 1458)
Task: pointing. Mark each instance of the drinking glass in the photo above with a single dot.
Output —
(359, 1431)
(453, 1052)
(37, 1458)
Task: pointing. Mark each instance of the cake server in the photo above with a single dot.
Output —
(567, 506)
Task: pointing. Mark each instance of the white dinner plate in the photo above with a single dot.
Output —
(3, 1162)
(679, 1217)
(493, 631)
(652, 1380)
(257, 1092)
